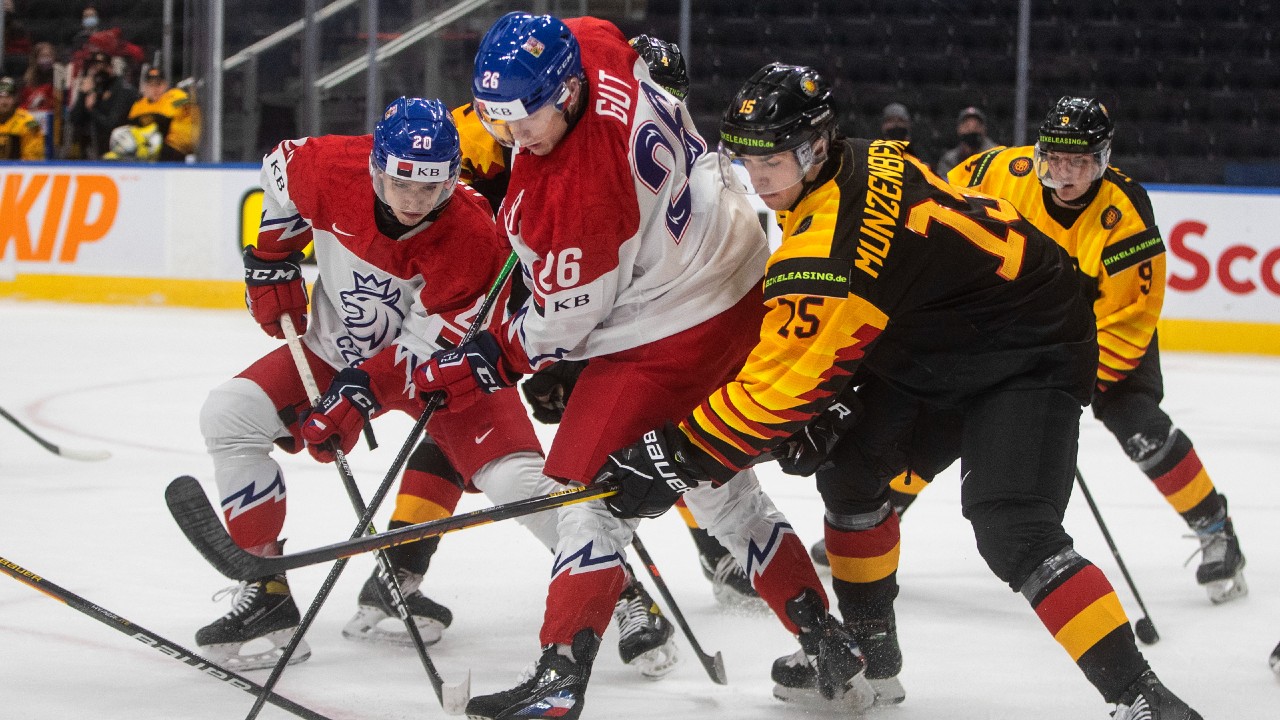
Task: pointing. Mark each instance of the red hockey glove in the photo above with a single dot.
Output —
(654, 472)
(339, 415)
(460, 372)
(274, 288)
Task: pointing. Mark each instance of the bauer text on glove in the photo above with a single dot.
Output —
(653, 473)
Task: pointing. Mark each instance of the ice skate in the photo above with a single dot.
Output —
(1275, 659)
(1148, 699)
(253, 634)
(878, 639)
(645, 639)
(1221, 569)
(828, 671)
(730, 585)
(554, 687)
(376, 619)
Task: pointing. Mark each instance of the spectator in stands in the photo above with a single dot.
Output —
(971, 129)
(169, 110)
(88, 26)
(16, 43)
(20, 134)
(102, 103)
(41, 93)
(895, 122)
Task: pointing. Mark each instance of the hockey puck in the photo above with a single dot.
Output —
(1146, 631)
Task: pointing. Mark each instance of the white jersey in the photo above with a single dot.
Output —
(625, 232)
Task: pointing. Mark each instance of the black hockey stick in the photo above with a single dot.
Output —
(1143, 628)
(452, 698)
(150, 639)
(70, 453)
(713, 665)
(200, 523)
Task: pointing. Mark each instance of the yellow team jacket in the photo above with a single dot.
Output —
(21, 137)
(173, 114)
(1114, 239)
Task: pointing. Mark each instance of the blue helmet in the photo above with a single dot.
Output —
(416, 142)
(523, 62)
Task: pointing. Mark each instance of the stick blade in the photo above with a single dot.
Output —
(202, 526)
(715, 668)
(454, 698)
(84, 455)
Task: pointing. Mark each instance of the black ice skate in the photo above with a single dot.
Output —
(644, 635)
(375, 606)
(553, 688)
(828, 671)
(1221, 570)
(730, 585)
(252, 636)
(1148, 699)
(878, 639)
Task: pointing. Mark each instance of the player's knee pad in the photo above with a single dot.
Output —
(238, 418)
(589, 528)
(738, 514)
(515, 477)
(1015, 536)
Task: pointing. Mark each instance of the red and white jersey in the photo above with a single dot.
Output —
(624, 230)
(397, 299)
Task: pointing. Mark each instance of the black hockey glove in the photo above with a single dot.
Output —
(809, 450)
(654, 472)
(548, 389)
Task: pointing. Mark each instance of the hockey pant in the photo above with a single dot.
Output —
(1017, 451)
(1130, 409)
(588, 573)
(245, 417)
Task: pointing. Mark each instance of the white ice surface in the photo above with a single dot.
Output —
(132, 380)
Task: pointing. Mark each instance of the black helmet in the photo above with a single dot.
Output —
(1077, 124)
(666, 63)
(780, 108)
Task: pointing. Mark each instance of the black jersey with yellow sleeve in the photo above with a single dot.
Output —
(1114, 240)
(884, 267)
(485, 162)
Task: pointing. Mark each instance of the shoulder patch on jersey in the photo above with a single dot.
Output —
(1111, 216)
(825, 277)
(1132, 251)
(1020, 166)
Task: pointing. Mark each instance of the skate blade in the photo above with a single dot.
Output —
(858, 696)
(735, 602)
(1221, 591)
(365, 627)
(657, 663)
(233, 657)
(889, 691)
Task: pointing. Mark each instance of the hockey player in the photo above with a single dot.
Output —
(403, 266)
(641, 262)
(1104, 219)
(949, 303)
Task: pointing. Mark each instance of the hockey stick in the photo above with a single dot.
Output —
(713, 665)
(150, 639)
(200, 523)
(1143, 628)
(453, 698)
(69, 453)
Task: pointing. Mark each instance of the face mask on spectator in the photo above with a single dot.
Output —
(973, 139)
(89, 22)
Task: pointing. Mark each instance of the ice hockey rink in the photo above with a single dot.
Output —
(131, 380)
